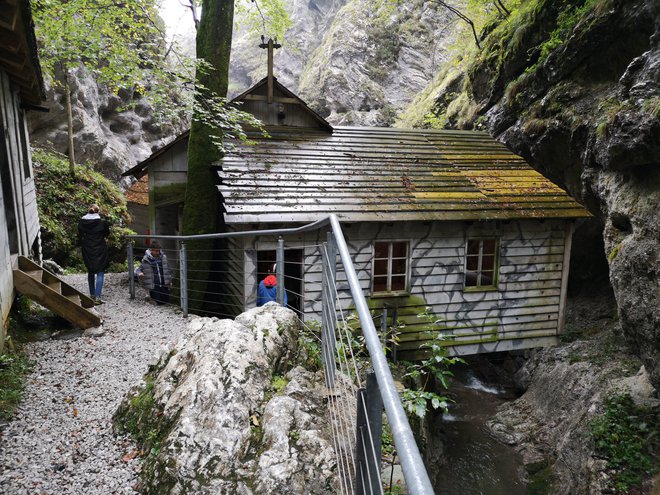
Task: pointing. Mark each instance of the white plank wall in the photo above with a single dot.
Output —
(526, 304)
(21, 179)
(523, 312)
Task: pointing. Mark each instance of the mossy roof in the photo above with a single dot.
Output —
(384, 174)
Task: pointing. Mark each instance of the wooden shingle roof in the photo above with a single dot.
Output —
(385, 174)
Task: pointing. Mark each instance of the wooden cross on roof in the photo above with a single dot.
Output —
(271, 45)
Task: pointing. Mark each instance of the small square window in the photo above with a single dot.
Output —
(481, 263)
(390, 267)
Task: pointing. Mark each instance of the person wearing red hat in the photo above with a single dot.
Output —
(267, 290)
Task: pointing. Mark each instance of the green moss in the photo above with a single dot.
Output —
(170, 193)
(14, 366)
(278, 383)
(614, 253)
(541, 477)
(628, 436)
(62, 200)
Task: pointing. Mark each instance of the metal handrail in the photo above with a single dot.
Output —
(417, 480)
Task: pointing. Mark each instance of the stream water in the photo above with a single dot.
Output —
(477, 464)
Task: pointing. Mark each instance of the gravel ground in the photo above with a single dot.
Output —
(61, 440)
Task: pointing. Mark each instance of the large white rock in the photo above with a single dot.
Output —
(227, 425)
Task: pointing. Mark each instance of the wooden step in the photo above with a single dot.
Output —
(74, 298)
(56, 286)
(73, 306)
(35, 274)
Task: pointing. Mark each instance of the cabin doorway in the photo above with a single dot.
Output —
(293, 271)
(8, 204)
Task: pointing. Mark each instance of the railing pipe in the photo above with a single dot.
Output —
(183, 284)
(279, 270)
(247, 233)
(131, 269)
(417, 479)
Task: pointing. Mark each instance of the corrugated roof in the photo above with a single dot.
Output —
(385, 174)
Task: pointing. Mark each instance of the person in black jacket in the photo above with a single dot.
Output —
(92, 234)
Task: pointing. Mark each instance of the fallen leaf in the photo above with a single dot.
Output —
(130, 456)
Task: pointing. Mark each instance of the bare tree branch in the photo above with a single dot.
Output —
(463, 17)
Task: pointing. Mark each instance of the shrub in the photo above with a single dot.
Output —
(62, 200)
(627, 436)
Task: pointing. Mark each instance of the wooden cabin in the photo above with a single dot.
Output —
(21, 88)
(450, 223)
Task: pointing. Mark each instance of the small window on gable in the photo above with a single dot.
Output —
(390, 267)
(481, 264)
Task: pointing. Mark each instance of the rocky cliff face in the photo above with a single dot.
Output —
(374, 59)
(105, 132)
(575, 90)
(311, 19)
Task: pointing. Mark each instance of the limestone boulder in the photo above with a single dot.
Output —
(230, 412)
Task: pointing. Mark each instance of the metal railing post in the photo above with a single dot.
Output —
(131, 268)
(183, 271)
(279, 270)
(395, 318)
(368, 443)
(332, 255)
(327, 337)
(417, 478)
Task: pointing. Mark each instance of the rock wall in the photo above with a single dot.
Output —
(227, 411)
(575, 90)
(374, 59)
(105, 133)
(565, 390)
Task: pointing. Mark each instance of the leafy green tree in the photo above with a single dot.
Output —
(202, 212)
(123, 45)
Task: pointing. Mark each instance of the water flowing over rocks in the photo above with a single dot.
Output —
(230, 413)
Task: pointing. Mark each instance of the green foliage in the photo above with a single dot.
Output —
(309, 343)
(62, 200)
(436, 367)
(568, 17)
(278, 383)
(14, 365)
(123, 45)
(628, 436)
(268, 17)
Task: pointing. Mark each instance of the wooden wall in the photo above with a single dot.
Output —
(168, 174)
(21, 198)
(525, 310)
(270, 114)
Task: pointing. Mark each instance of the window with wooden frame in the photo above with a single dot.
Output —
(481, 263)
(390, 267)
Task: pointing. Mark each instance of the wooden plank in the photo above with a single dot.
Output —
(54, 301)
(564, 277)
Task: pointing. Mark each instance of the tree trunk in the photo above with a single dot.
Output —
(69, 118)
(202, 213)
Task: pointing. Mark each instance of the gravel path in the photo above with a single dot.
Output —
(61, 440)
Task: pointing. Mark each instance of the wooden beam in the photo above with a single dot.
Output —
(276, 99)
